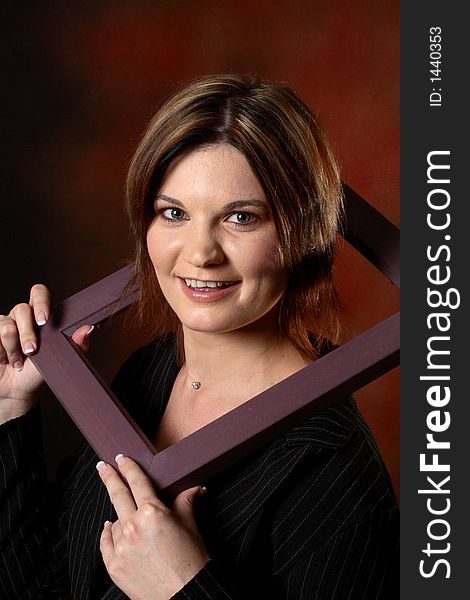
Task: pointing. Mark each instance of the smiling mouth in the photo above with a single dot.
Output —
(198, 284)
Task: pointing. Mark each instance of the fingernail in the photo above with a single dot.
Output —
(18, 366)
(106, 523)
(120, 459)
(89, 331)
(203, 491)
(101, 466)
(28, 348)
(41, 319)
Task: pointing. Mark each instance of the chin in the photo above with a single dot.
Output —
(207, 323)
(214, 326)
(209, 327)
(229, 318)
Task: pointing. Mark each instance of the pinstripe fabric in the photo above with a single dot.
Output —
(311, 516)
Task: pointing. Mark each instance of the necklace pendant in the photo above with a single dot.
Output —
(196, 385)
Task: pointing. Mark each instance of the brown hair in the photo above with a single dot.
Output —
(290, 156)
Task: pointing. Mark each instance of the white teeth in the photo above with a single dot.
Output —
(197, 283)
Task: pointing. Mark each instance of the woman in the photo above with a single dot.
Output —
(234, 201)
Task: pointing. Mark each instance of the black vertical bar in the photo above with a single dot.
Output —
(434, 298)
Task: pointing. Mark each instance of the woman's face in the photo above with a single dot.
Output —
(213, 243)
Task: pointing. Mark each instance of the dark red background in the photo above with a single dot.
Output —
(81, 81)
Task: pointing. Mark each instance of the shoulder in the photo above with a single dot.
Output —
(158, 352)
(337, 489)
(140, 369)
(143, 384)
(323, 475)
(342, 455)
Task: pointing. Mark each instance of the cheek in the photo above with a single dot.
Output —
(264, 262)
(266, 255)
(159, 249)
(152, 248)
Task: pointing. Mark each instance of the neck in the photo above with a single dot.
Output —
(214, 358)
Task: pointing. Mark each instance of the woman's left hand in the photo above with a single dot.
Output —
(150, 552)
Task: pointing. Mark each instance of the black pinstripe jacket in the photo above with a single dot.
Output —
(311, 516)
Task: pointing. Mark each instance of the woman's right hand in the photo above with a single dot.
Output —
(20, 381)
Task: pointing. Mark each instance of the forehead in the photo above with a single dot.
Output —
(216, 173)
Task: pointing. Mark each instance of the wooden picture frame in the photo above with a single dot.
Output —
(192, 461)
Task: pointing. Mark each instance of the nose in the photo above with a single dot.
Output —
(202, 248)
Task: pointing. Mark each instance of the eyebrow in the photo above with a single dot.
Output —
(235, 205)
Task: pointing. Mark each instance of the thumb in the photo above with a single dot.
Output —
(82, 337)
(183, 506)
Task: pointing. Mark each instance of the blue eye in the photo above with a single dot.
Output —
(241, 218)
(173, 214)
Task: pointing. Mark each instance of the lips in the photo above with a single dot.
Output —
(203, 284)
(208, 291)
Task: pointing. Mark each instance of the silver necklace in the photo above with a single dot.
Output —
(196, 385)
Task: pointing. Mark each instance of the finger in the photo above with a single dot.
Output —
(10, 342)
(107, 543)
(141, 486)
(119, 494)
(40, 300)
(183, 506)
(3, 355)
(82, 337)
(24, 319)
